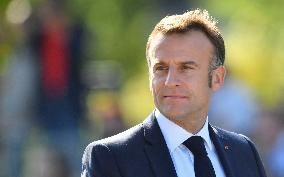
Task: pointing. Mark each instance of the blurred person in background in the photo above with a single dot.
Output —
(59, 47)
(18, 100)
(185, 56)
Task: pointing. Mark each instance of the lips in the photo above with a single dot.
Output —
(175, 96)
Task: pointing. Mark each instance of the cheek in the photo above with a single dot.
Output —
(155, 91)
(203, 78)
(197, 83)
(154, 85)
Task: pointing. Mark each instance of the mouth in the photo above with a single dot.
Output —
(175, 97)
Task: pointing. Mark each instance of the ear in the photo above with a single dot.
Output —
(218, 78)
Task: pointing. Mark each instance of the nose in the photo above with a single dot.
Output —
(172, 79)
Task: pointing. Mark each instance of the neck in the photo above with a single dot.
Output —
(192, 125)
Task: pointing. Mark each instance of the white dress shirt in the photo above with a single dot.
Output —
(182, 157)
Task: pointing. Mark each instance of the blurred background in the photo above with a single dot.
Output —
(75, 71)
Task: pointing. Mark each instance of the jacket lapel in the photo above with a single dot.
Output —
(157, 150)
(159, 155)
(222, 147)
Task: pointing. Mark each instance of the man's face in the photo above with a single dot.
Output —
(179, 75)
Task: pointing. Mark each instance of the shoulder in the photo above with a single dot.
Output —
(117, 141)
(234, 139)
(240, 146)
(240, 149)
(229, 135)
(104, 153)
(132, 137)
(237, 142)
(132, 134)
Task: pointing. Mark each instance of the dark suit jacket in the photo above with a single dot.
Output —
(142, 152)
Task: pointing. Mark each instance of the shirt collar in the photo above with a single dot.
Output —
(175, 135)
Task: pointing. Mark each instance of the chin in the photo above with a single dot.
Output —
(174, 114)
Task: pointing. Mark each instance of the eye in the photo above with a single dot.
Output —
(187, 67)
(160, 68)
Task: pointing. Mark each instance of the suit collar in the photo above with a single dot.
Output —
(222, 146)
(180, 133)
(159, 155)
(156, 149)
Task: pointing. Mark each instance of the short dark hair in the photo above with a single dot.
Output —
(193, 20)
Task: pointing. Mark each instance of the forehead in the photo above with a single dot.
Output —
(181, 46)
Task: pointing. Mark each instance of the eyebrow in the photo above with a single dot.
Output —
(159, 63)
(192, 63)
(189, 63)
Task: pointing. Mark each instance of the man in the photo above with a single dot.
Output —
(185, 56)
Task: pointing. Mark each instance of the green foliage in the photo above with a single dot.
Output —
(3, 47)
(118, 31)
(3, 5)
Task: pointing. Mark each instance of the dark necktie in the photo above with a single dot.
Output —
(202, 164)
